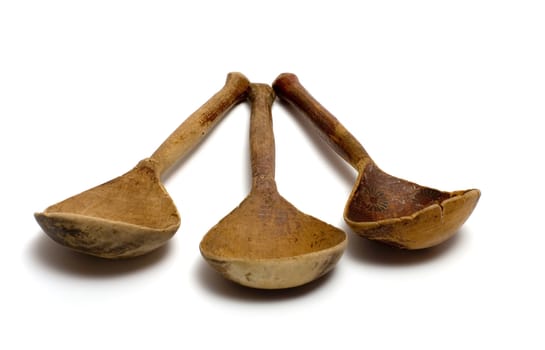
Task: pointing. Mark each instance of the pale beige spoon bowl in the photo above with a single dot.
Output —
(133, 214)
(383, 207)
(266, 242)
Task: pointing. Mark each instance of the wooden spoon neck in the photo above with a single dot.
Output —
(350, 149)
(264, 185)
(150, 163)
(362, 163)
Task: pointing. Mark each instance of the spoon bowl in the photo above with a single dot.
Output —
(383, 207)
(133, 214)
(128, 216)
(266, 242)
(404, 214)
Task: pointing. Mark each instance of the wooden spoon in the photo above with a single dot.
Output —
(383, 207)
(133, 214)
(266, 242)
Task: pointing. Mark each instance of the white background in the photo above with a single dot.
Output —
(446, 94)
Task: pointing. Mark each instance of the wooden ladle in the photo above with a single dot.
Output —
(383, 207)
(133, 214)
(266, 242)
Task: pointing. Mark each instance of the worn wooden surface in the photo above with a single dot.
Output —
(266, 242)
(383, 207)
(133, 214)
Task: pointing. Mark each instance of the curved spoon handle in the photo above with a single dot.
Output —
(262, 149)
(288, 87)
(198, 124)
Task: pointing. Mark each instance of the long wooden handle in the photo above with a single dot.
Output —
(198, 124)
(262, 149)
(288, 87)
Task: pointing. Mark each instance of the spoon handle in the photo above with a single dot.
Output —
(288, 87)
(198, 124)
(262, 149)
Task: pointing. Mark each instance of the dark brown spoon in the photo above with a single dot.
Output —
(383, 207)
